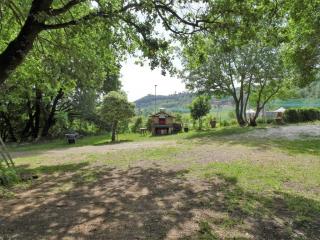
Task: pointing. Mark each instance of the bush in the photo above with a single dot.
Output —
(225, 123)
(260, 121)
(8, 176)
(295, 115)
(233, 122)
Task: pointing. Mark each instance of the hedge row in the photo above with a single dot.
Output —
(294, 115)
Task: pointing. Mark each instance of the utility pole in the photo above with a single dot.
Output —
(155, 99)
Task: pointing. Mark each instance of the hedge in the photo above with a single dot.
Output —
(295, 115)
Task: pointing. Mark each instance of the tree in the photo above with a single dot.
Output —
(250, 71)
(132, 21)
(242, 59)
(302, 45)
(199, 108)
(116, 108)
(55, 86)
(137, 125)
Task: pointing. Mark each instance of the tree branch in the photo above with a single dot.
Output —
(65, 8)
(74, 22)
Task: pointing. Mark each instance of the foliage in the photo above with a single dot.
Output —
(250, 73)
(302, 49)
(115, 110)
(295, 115)
(137, 125)
(134, 25)
(199, 108)
(149, 124)
(8, 176)
(225, 123)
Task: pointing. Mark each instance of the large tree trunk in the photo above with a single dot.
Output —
(114, 128)
(50, 120)
(18, 48)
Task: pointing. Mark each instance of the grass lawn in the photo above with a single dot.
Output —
(215, 184)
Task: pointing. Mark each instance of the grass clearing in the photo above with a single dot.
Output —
(190, 184)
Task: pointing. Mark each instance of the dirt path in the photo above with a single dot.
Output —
(98, 149)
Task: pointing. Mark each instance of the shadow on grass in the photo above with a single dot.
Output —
(50, 169)
(233, 135)
(150, 203)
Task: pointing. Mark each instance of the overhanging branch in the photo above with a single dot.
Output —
(65, 8)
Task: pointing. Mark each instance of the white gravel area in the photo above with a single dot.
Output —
(291, 132)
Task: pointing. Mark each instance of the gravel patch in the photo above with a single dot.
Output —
(286, 132)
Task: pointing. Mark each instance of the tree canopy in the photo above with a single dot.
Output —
(116, 108)
(199, 108)
(131, 23)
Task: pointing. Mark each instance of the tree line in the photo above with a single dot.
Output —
(59, 59)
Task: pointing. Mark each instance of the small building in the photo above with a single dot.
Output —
(163, 123)
(271, 115)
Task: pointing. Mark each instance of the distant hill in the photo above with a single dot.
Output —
(307, 97)
(173, 103)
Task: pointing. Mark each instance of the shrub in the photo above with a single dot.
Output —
(233, 122)
(260, 120)
(8, 176)
(225, 123)
(294, 115)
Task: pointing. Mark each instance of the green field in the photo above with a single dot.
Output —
(220, 183)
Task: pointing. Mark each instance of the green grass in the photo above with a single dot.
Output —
(304, 146)
(285, 175)
(93, 141)
(282, 188)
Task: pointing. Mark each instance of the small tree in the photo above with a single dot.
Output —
(200, 107)
(116, 108)
(137, 124)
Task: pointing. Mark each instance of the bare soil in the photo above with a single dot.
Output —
(138, 203)
(103, 148)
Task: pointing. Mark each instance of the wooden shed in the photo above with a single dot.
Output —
(163, 123)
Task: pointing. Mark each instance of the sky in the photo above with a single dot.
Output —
(139, 81)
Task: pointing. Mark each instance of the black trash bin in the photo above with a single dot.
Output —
(71, 138)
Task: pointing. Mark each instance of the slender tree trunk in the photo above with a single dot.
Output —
(37, 113)
(18, 48)
(29, 125)
(114, 128)
(239, 114)
(9, 127)
(50, 120)
(200, 123)
(3, 134)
